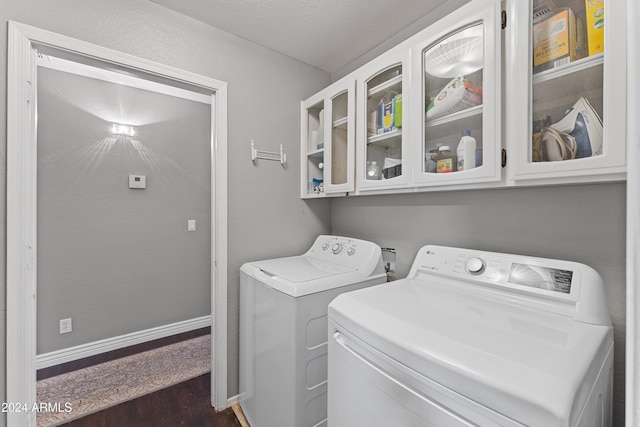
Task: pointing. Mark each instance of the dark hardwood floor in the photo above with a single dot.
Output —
(185, 404)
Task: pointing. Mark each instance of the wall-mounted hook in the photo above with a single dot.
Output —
(268, 155)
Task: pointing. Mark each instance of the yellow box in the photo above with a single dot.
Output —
(595, 26)
(558, 40)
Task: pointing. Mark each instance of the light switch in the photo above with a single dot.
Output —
(191, 225)
(137, 181)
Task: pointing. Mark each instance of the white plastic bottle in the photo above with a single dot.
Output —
(466, 151)
(373, 171)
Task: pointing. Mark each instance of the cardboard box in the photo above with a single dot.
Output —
(558, 40)
(595, 26)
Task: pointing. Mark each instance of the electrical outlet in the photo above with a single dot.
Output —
(65, 326)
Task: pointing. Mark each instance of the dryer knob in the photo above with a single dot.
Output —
(336, 248)
(325, 246)
(475, 265)
(351, 251)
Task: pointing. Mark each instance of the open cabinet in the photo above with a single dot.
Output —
(328, 138)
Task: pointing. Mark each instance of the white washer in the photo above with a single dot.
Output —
(473, 338)
(283, 328)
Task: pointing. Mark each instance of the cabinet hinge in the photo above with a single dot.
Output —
(504, 158)
(29, 92)
(504, 19)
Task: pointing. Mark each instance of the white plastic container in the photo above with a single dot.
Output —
(373, 170)
(466, 151)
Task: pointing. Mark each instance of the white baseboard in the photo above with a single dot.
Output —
(233, 400)
(98, 347)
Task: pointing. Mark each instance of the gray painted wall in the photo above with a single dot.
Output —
(104, 250)
(264, 93)
(578, 223)
(266, 216)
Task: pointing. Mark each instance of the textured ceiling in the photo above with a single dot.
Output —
(327, 34)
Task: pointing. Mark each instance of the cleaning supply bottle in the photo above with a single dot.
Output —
(373, 171)
(446, 161)
(466, 151)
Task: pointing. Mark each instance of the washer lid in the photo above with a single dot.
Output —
(299, 269)
(532, 366)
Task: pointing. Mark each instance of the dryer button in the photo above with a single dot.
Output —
(475, 265)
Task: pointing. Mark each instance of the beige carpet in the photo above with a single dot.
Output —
(97, 387)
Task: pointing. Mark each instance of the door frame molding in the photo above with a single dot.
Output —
(22, 204)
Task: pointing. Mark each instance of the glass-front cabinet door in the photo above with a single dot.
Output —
(312, 130)
(569, 65)
(381, 136)
(340, 130)
(457, 73)
(328, 141)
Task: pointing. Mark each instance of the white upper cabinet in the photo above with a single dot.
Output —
(381, 134)
(328, 141)
(566, 95)
(455, 119)
(534, 94)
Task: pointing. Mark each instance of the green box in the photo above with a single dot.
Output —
(397, 119)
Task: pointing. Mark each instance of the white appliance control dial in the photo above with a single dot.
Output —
(475, 265)
(336, 248)
(351, 251)
(325, 246)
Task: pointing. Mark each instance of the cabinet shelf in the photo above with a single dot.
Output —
(589, 62)
(341, 123)
(316, 153)
(387, 138)
(458, 115)
(397, 80)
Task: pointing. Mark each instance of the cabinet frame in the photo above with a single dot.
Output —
(324, 100)
(400, 55)
(488, 14)
(611, 164)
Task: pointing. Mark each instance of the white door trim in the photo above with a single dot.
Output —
(632, 387)
(22, 198)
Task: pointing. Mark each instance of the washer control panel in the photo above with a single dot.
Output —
(354, 253)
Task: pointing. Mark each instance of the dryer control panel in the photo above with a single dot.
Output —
(548, 284)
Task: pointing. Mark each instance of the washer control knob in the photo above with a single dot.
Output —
(325, 246)
(336, 248)
(351, 251)
(475, 265)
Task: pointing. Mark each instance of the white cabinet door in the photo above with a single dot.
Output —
(327, 124)
(312, 128)
(566, 93)
(339, 170)
(381, 134)
(456, 119)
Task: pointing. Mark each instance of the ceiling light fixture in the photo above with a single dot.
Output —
(119, 129)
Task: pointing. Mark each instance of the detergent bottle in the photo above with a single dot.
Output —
(466, 151)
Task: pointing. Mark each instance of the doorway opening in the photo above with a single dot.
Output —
(28, 47)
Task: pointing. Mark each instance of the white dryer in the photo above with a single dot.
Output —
(283, 328)
(473, 338)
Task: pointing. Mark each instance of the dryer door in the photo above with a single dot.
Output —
(367, 388)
